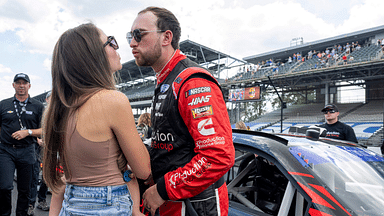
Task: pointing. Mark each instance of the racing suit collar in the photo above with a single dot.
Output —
(176, 57)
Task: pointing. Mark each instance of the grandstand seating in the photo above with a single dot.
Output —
(140, 92)
(287, 67)
(370, 112)
(309, 64)
(304, 113)
(365, 119)
(367, 53)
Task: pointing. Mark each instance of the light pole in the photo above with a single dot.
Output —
(283, 105)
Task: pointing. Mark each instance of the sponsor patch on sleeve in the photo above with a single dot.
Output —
(198, 100)
(198, 90)
(164, 88)
(205, 127)
(202, 111)
(210, 142)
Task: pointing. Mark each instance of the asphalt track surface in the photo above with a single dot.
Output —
(38, 212)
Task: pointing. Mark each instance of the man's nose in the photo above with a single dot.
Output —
(133, 43)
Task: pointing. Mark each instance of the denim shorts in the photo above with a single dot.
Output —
(107, 200)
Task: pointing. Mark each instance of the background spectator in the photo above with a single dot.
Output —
(18, 137)
(240, 125)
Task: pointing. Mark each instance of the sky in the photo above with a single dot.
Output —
(29, 30)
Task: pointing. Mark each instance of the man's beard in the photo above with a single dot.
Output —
(151, 58)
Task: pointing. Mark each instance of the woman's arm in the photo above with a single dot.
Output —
(56, 202)
(122, 123)
(134, 189)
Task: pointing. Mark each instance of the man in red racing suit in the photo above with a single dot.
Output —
(192, 141)
(192, 144)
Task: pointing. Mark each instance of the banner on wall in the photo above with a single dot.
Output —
(244, 94)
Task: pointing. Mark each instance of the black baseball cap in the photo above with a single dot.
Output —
(21, 76)
(330, 107)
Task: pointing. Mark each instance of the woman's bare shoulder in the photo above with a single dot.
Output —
(109, 105)
(110, 98)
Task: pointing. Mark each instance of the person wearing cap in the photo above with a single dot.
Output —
(20, 118)
(335, 128)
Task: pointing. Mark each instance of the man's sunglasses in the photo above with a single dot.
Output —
(112, 42)
(137, 34)
(329, 111)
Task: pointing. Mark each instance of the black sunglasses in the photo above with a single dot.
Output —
(330, 111)
(112, 42)
(138, 34)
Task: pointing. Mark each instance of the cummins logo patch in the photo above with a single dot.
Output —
(202, 127)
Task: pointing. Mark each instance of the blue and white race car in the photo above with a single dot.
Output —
(280, 174)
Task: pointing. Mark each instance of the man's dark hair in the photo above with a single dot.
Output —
(166, 20)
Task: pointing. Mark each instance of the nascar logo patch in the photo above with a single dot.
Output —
(198, 90)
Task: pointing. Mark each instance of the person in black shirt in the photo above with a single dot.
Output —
(335, 128)
(20, 118)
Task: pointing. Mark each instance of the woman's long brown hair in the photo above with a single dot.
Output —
(80, 68)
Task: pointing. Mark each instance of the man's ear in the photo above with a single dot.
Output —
(167, 38)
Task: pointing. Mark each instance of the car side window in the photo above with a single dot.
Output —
(256, 185)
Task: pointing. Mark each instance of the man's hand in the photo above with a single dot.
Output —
(19, 135)
(40, 142)
(152, 199)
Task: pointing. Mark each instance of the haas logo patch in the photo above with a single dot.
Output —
(199, 100)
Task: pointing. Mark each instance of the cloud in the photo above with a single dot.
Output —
(41, 36)
(363, 16)
(47, 64)
(248, 31)
(6, 79)
(238, 28)
(4, 69)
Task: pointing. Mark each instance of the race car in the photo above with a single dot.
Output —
(283, 174)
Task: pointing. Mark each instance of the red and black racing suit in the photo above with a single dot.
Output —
(192, 144)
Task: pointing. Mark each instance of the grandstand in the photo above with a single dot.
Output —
(319, 66)
(144, 91)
